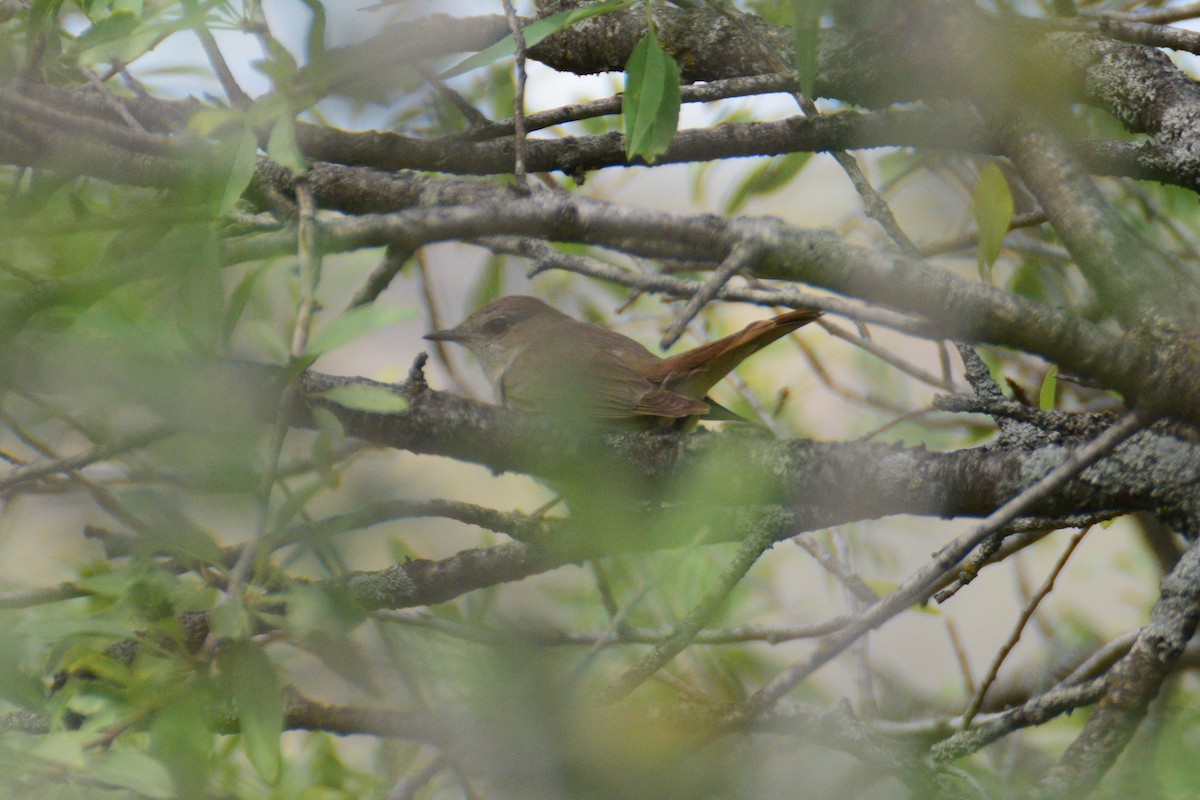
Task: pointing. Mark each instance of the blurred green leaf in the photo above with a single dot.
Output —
(149, 598)
(18, 685)
(113, 27)
(269, 339)
(168, 528)
(61, 747)
(490, 284)
(769, 176)
(42, 16)
(807, 28)
(533, 33)
(376, 399)
(207, 120)
(995, 364)
(319, 609)
(993, 215)
(282, 147)
(251, 679)
(281, 67)
(296, 501)
(651, 100)
(230, 619)
(353, 324)
(330, 432)
(241, 170)
(181, 739)
(199, 289)
(240, 298)
(1048, 396)
(133, 770)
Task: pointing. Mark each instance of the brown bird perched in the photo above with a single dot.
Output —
(538, 359)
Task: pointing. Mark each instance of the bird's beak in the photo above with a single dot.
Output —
(448, 335)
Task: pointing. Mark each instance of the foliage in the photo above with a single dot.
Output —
(230, 574)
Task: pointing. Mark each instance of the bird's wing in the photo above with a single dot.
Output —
(597, 384)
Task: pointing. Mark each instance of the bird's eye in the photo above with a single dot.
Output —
(497, 326)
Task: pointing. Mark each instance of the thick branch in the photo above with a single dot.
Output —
(1132, 683)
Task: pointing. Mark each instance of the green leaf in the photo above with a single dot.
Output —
(651, 100)
(1049, 394)
(533, 33)
(181, 739)
(42, 17)
(135, 771)
(252, 680)
(241, 170)
(113, 27)
(169, 529)
(296, 500)
(282, 147)
(807, 28)
(769, 176)
(319, 619)
(993, 215)
(19, 685)
(995, 365)
(330, 431)
(376, 399)
(207, 120)
(353, 324)
(490, 283)
(327, 610)
(240, 298)
(60, 747)
(230, 620)
(268, 338)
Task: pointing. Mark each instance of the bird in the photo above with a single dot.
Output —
(540, 360)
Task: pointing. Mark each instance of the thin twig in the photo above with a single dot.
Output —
(868, 708)
(105, 499)
(440, 353)
(738, 259)
(310, 278)
(748, 553)
(395, 256)
(960, 655)
(27, 598)
(850, 582)
(696, 93)
(1026, 614)
(117, 107)
(549, 258)
(411, 785)
(886, 356)
(919, 586)
(768, 418)
(229, 83)
(1100, 660)
(971, 239)
(873, 203)
(832, 384)
(514, 24)
(617, 622)
(1160, 16)
(1152, 35)
(473, 115)
(101, 452)
(899, 419)
(739, 634)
